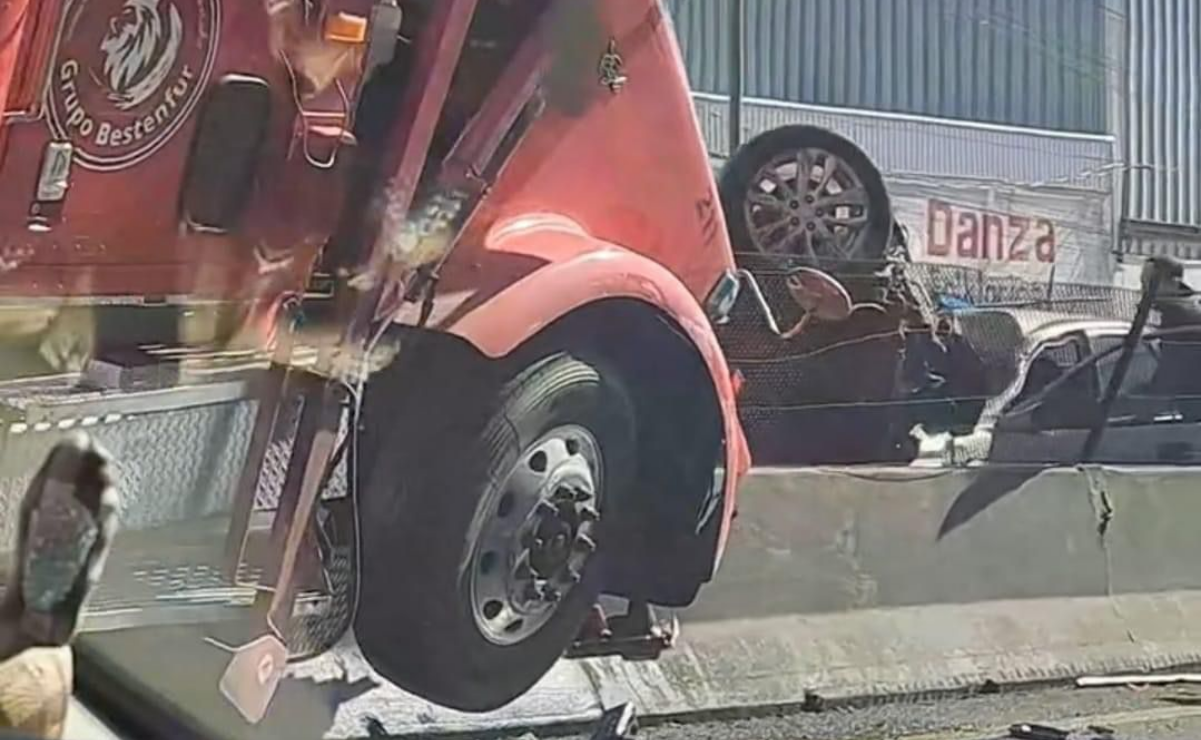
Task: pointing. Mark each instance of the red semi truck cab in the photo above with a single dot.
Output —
(502, 208)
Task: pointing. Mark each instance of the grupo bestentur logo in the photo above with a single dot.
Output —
(127, 75)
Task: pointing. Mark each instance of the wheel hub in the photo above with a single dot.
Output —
(549, 550)
(809, 203)
(534, 548)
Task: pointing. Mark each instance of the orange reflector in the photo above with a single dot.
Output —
(346, 28)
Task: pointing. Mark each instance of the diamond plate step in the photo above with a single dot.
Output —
(177, 455)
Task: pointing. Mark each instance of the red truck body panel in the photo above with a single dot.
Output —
(609, 192)
(619, 201)
(535, 260)
(124, 84)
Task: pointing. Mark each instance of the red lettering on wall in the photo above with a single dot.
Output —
(1019, 251)
(968, 240)
(968, 233)
(938, 228)
(992, 244)
(1044, 246)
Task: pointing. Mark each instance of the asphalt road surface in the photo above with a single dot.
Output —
(1170, 713)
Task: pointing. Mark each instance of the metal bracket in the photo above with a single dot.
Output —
(639, 634)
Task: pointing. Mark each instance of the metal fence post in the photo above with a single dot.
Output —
(737, 63)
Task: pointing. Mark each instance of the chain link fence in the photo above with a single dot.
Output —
(970, 286)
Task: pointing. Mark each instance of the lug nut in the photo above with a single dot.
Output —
(546, 508)
(589, 514)
(572, 576)
(551, 595)
(585, 543)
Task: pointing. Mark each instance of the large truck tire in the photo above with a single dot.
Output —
(806, 195)
(481, 522)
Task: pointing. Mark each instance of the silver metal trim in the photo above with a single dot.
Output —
(54, 177)
(718, 304)
(761, 301)
(106, 404)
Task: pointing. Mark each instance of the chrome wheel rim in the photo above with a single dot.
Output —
(809, 204)
(538, 535)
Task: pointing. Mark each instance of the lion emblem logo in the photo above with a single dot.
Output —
(140, 50)
(128, 74)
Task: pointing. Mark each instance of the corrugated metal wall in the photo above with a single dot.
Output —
(1068, 177)
(908, 144)
(1162, 115)
(1150, 240)
(1038, 63)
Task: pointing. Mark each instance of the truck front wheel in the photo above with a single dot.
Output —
(481, 530)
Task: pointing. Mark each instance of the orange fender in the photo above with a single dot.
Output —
(531, 271)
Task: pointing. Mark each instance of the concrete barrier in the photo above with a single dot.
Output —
(815, 541)
(861, 584)
(872, 584)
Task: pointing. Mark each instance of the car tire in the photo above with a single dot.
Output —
(442, 590)
(746, 174)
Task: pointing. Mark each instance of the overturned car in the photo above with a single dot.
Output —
(880, 367)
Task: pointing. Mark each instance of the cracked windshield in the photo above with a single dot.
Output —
(600, 369)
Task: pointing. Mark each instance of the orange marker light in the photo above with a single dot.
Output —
(346, 28)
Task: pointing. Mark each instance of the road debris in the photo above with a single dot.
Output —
(639, 634)
(1044, 732)
(1037, 732)
(1137, 679)
(618, 723)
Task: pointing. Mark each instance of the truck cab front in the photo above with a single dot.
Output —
(398, 287)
